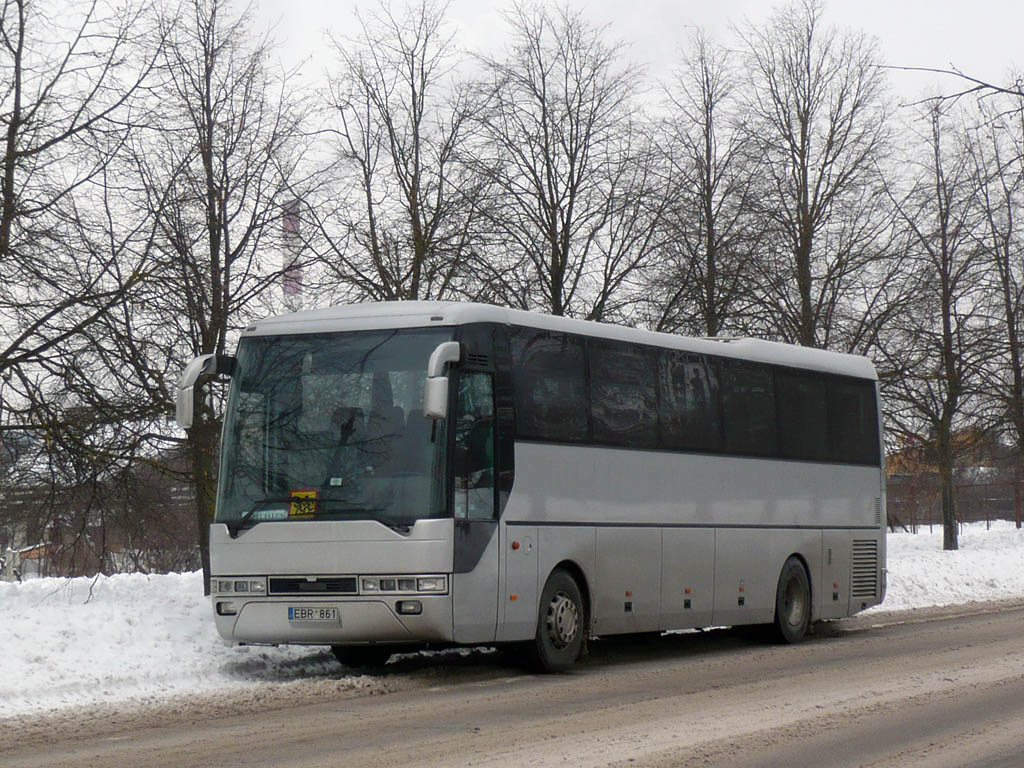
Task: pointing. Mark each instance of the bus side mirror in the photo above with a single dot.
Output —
(201, 368)
(435, 398)
(435, 391)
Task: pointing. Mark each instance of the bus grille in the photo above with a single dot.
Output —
(326, 585)
(864, 582)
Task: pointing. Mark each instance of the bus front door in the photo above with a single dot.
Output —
(475, 580)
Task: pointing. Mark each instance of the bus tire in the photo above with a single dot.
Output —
(361, 655)
(792, 602)
(560, 623)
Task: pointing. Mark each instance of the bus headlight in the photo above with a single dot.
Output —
(432, 584)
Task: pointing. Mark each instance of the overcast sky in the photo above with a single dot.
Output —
(980, 37)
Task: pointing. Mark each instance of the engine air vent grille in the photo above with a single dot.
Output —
(864, 580)
(324, 585)
(878, 511)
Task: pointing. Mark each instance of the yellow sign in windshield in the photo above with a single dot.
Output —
(303, 503)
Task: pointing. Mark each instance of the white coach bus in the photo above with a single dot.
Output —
(407, 474)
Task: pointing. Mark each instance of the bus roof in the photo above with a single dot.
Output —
(419, 314)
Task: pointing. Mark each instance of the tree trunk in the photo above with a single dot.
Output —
(806, 330)
(948, 492)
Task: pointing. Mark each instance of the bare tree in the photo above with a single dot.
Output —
(574, 177)
(402, 227)
(816, 112)
(997, 154)
(711, 229)
(934, 351)
(72, 82)
(214, 176)
(69, 80)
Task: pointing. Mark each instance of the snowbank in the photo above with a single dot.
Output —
(988, 566)
(73, 642)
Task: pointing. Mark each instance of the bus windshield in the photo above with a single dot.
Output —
(331, 426)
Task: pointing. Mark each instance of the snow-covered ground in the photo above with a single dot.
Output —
(988, 566)
(68, 643)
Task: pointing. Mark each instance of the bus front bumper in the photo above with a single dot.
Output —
(318, 621)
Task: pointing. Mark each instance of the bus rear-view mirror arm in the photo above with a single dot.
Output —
(201, 369)
(435, 392)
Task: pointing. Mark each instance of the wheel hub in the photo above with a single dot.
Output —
(563, 620)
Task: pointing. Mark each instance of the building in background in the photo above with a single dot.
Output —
(987, 479)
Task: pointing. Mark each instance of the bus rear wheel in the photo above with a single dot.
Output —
(560, 623)
(792, 602)
(361, 655)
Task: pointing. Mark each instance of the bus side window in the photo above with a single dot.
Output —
(550, 379)
(748, 408)
(474, 447)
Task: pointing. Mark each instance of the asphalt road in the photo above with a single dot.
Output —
(937, 689)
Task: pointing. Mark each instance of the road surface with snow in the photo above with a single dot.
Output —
(942, 688)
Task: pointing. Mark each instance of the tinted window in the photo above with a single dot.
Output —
(689, 402)
(474, 446)
(550, 384)
(748, 408)
(623, 398)
(800, 404)
(853, 422)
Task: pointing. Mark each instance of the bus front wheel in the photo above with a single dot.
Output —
(560, 624)
(792, 602)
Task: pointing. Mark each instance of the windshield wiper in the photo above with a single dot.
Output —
(403, 527)
(235, 526)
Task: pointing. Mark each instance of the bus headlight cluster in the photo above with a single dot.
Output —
(238, 586)
(403, 584)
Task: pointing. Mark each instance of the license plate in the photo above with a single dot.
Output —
(312, 613)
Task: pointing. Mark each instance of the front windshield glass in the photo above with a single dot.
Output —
(331, 426)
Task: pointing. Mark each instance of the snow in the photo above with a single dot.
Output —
(136, 638)
(988, 566)
(72, 642)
